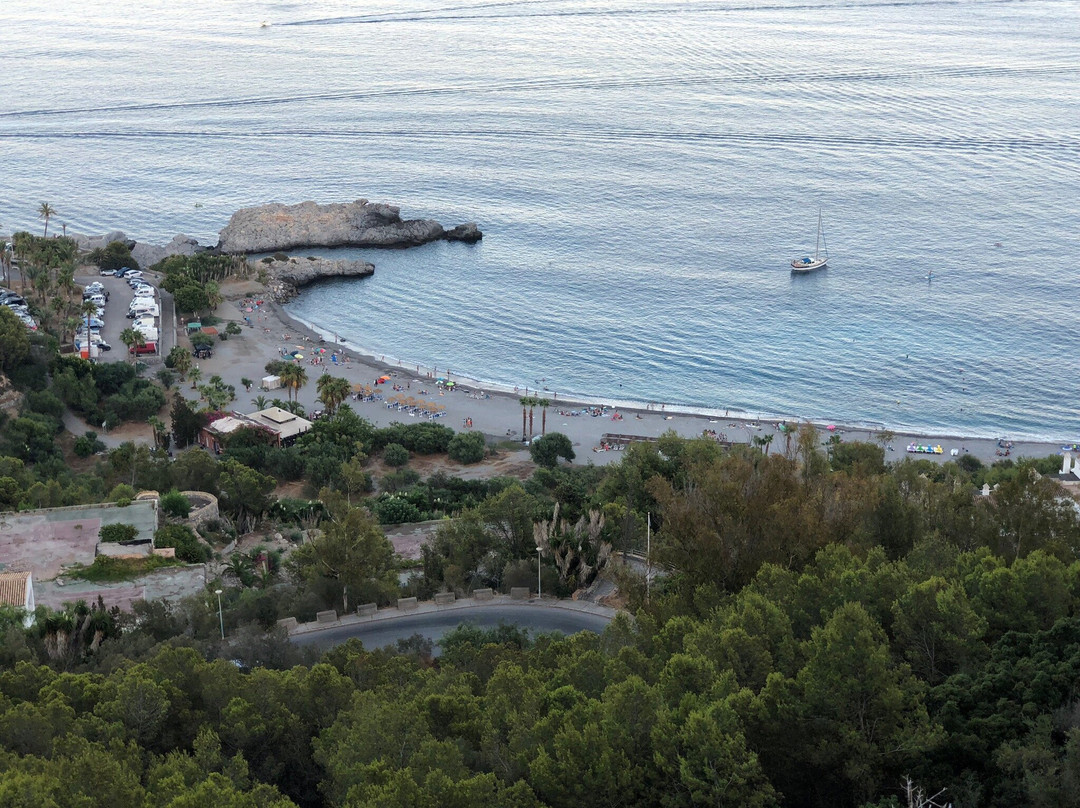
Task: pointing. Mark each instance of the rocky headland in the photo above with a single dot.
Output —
(286, 277)
(276, 227)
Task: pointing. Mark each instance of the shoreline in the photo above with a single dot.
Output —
(648, 420)
(636, 405)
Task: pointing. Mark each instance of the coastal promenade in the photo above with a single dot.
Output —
(498, 414)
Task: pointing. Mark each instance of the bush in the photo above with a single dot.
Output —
(466, 447)
(183, 538)
(399, 480)
(395, 455)
(395, 510)
(176, 505)
(167, 377)
(115, 255)
(88, 444)
(122, 491)
(117, 533)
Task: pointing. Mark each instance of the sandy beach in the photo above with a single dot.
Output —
(498, 413)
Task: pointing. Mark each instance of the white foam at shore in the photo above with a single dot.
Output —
(673, 409)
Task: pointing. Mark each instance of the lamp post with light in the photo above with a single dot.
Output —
(221, 617)
(539, 594)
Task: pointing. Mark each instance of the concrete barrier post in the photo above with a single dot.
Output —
(443, 598)
(519, 593)
(287, 623)
(366, 609)
(483, 594)
(404, 604)
(329, 616)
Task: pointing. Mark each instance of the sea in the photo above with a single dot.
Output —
(643, 171)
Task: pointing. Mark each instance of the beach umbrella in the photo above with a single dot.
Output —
(298, 356)
(831, 427)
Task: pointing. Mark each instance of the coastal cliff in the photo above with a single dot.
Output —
(277, 227)
(285, 278)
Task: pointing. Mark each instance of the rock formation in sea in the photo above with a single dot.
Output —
(285, 277)
(276, 227)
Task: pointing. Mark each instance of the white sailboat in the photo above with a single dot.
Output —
(808, 264)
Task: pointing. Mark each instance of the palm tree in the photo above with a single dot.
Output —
(46, 212)
(293, 377)
(69, 326)
(88, 309)
(260, 402)
(161, 434)
(5, 261)
(132, 337)
(544, 403)
(181, 359)
(194, 374)
(524, 402)
(533, 401)
(332, 391)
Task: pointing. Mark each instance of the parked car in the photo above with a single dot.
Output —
(145, 348)
(107, 273)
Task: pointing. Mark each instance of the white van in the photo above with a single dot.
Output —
(149, 334)
(144, 323)
(143, 311)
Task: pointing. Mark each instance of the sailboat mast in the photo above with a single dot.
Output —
(817, 243)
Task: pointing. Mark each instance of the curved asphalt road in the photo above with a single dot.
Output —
(433, 625)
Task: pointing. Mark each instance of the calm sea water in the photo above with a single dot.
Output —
(643, 173)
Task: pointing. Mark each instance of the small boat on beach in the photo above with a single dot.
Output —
(808, 264)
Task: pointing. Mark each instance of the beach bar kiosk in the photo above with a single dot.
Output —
(271, 383)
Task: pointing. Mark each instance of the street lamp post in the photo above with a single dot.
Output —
(538, 592)
(221, 617)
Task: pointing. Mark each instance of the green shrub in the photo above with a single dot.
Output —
(467, 447)
(117, 533)
(167, 377)
(399, 480)
(395, 510)
(88, 444)
(395, 455)
(107, 569)
(183, 538)
(122, 491)
(176, 505)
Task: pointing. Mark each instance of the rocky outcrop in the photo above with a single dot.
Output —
(277, 227)
(145, 254)
(10, 398)
(148, 254)
(285, 278)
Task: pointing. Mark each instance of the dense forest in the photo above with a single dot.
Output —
(824, 626)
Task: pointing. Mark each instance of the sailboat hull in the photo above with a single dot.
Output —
(808, 264)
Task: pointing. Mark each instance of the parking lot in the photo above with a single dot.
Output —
(116, 320)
